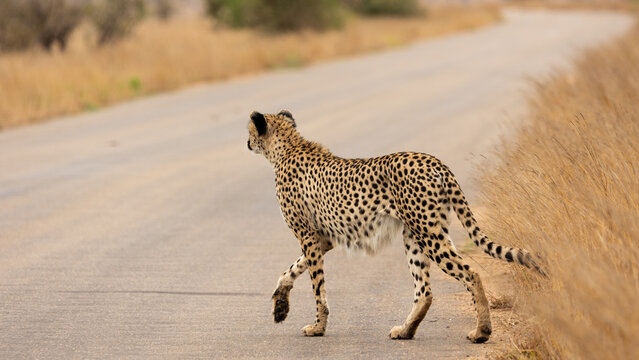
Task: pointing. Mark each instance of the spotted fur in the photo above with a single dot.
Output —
(362, 204)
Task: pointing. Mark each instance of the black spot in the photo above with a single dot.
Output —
(319, 285)
(509, 256)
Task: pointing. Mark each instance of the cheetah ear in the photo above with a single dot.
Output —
(259, 121)
(287, 114)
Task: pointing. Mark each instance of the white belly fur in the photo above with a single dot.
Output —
(386, 229)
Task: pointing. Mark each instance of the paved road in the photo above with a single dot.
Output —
(147, 230)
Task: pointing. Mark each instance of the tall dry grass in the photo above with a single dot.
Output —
(567, 188)
(167, 55)
(618, 5)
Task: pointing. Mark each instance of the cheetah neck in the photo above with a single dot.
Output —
(291, 144)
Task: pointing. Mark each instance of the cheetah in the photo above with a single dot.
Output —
(363, 204)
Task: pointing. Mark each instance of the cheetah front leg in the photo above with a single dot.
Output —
(286, 280)
(315, 260)
(418, 263)
(284, 286)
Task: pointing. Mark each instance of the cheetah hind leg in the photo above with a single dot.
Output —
(418, 264)
(454, 265)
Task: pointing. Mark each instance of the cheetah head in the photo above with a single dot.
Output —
(267, 130)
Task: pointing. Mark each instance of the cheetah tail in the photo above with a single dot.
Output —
(465, 216)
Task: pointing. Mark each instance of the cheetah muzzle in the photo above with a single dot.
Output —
(363, 204)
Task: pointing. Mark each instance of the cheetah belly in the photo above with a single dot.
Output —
(371, 237)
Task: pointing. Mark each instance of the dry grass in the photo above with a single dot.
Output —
(500, 302)
(618, 5)
(567, 189)
(163, 56)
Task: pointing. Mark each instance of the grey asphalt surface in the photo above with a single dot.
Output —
(148, 230)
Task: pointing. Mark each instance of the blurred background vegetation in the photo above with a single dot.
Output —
(28, 23)
(277, 15)
(64, 56)
(47, 23)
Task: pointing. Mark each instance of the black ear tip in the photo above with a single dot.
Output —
(260, 122)
(255, 115)
(286, 113)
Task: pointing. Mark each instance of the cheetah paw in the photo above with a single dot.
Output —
(310, 330)
(400, 333)
(479, 336)
(280, 310)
